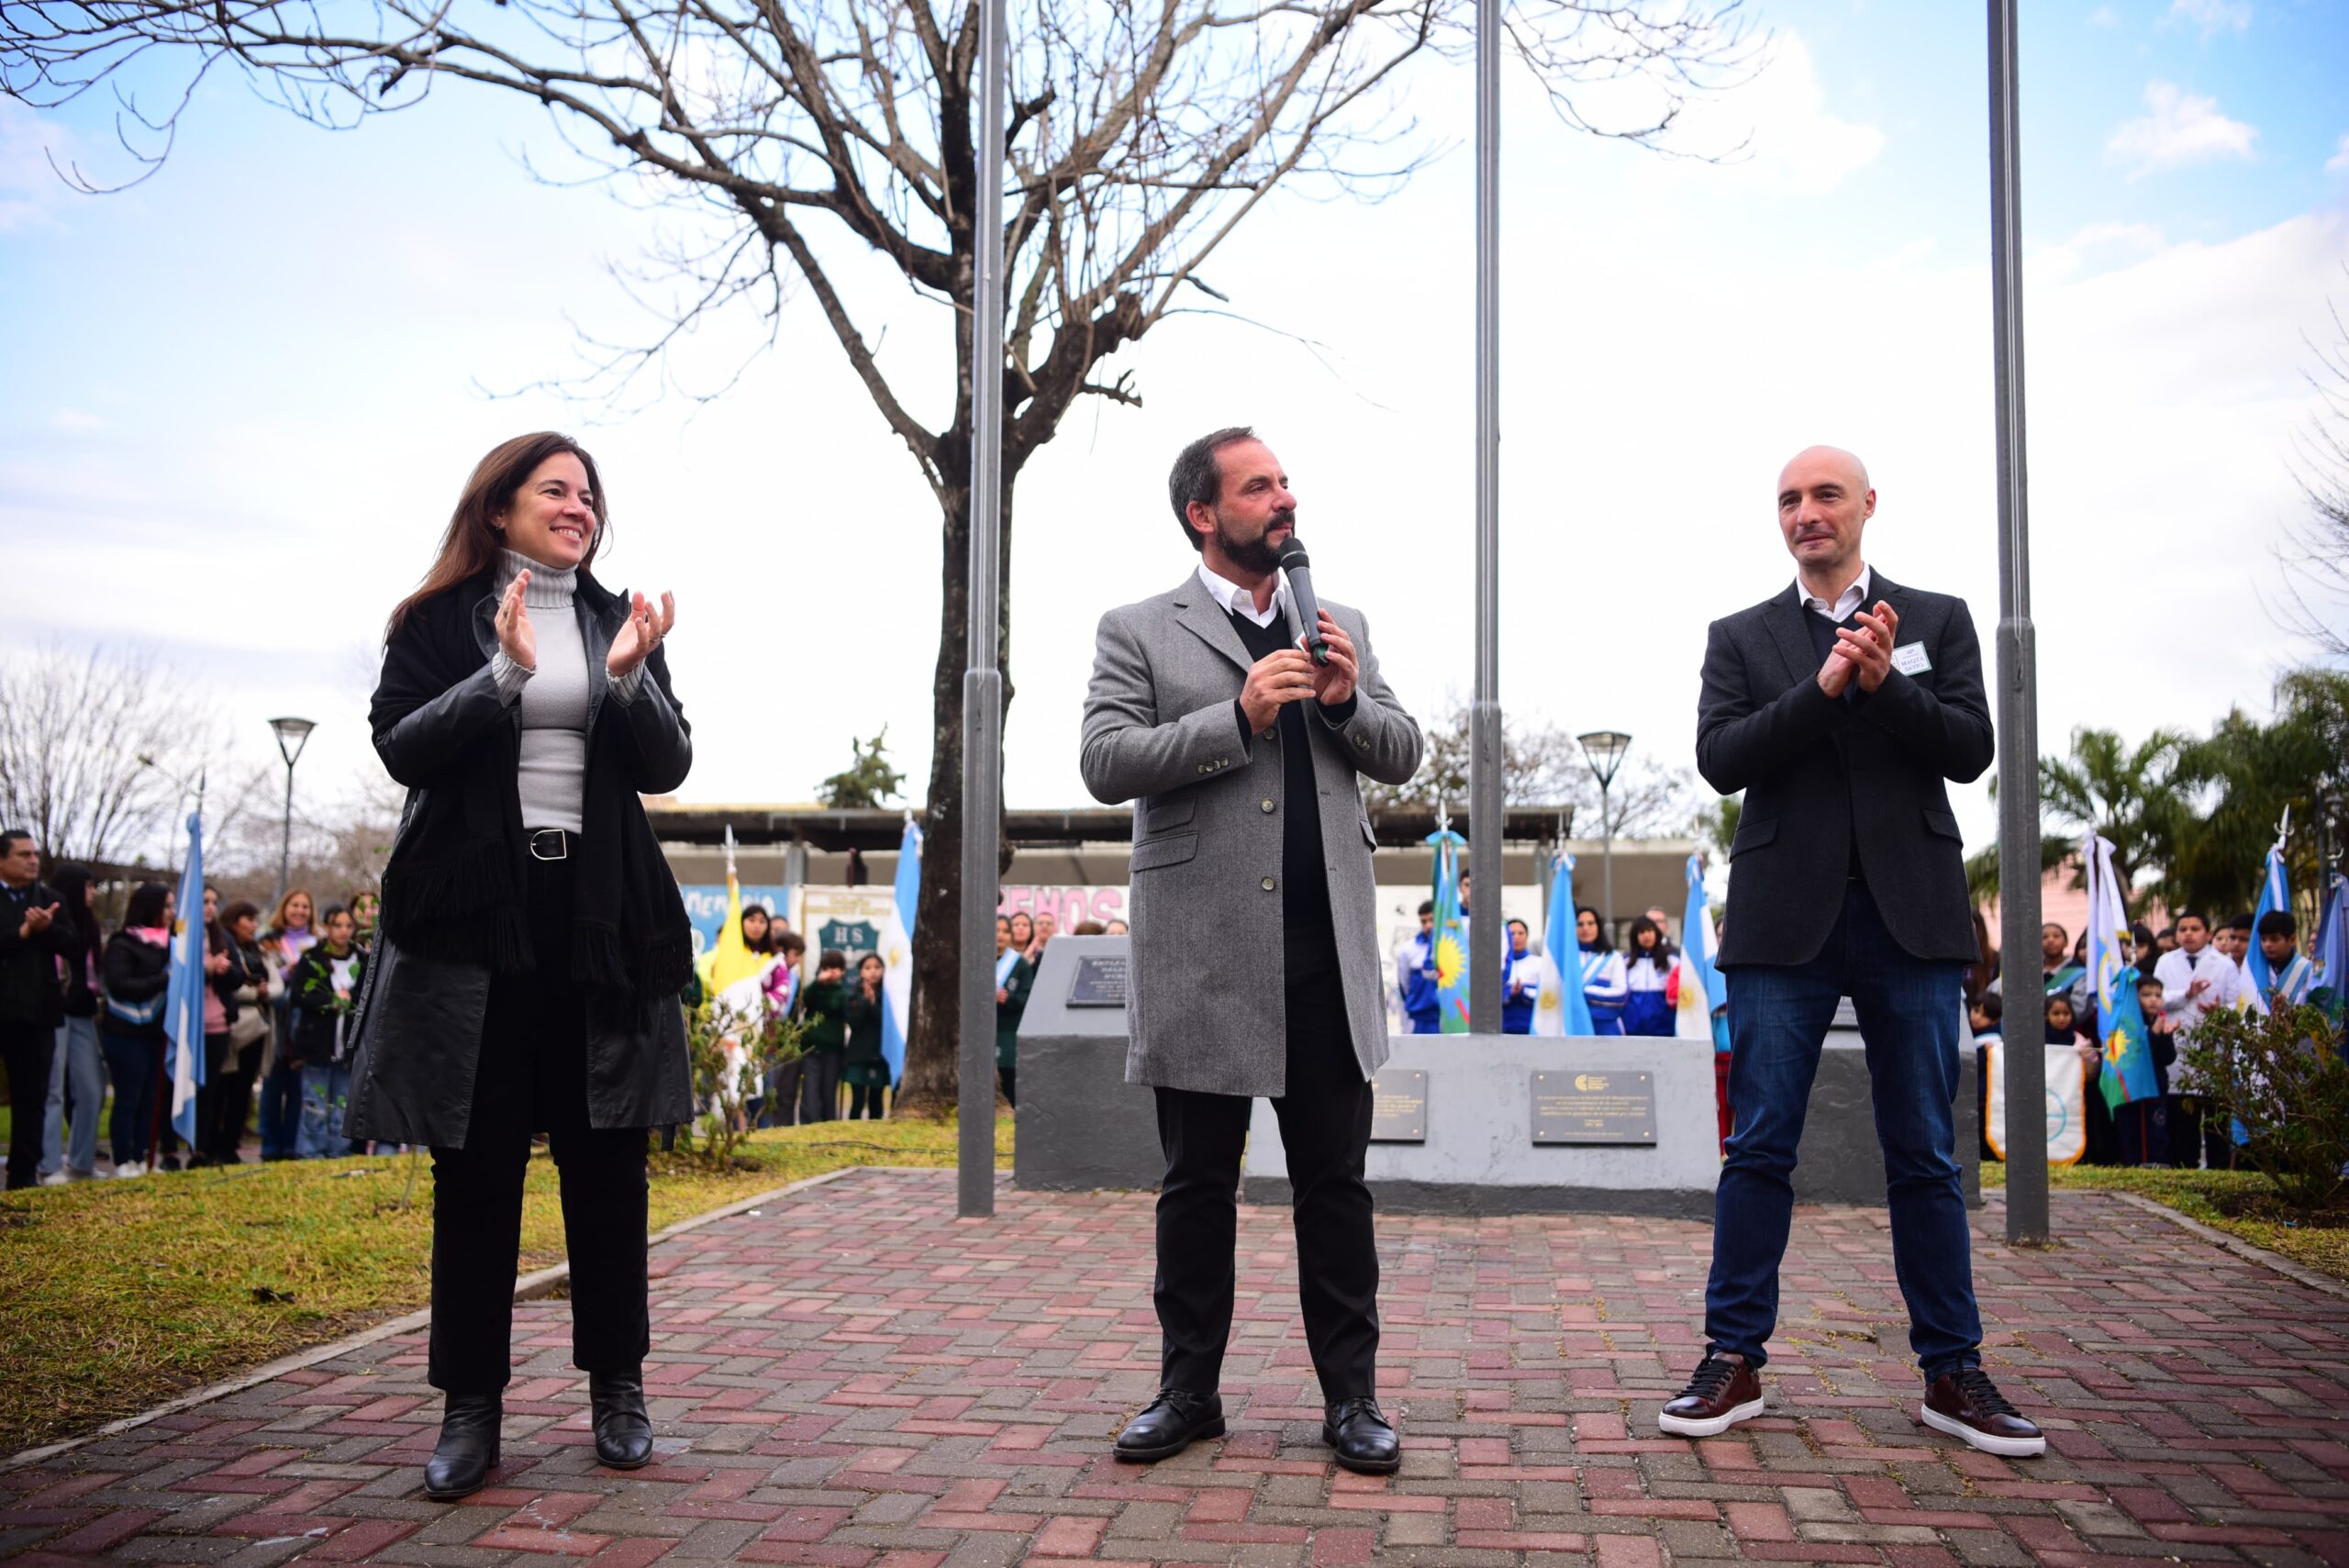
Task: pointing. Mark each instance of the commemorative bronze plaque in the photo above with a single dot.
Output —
(1595, 1108)
(1398, 1111)
(1099, 980)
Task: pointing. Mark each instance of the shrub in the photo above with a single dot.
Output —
(732, 1054)
(2284, 1077)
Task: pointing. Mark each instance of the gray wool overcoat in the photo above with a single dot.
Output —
(1207, 1007)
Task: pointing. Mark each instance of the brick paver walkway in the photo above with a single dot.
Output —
(852, 1377)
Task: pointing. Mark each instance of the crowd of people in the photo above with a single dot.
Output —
(1630, 989)
(2186, 970)
(82, 1009)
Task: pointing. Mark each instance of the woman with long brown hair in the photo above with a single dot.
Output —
(532, 943)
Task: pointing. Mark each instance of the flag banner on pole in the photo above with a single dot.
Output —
(2274, 892)
(1562, 1009)
(730, 958)
(2128, 1074)
(184, 997)
(898, 953)
(2067, 1120)
(1703, 988)
(2329, 956)
(1449, 940)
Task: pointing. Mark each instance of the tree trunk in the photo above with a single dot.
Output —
(931, 1084)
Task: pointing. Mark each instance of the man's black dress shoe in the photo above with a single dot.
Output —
(623, 1430)
(1169, 1424)
(1365, 1443)
(467, 1450)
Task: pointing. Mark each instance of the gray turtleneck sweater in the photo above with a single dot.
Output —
(553, 695)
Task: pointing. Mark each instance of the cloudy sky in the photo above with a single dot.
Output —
(243, 395)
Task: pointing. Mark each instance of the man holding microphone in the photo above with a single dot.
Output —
(1255, 965)
(1841, 722)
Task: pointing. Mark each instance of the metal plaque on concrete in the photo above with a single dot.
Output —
(1398, 1111)
(1593, 1107)
(1099, 980)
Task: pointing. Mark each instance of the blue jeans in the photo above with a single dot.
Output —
(281, 1111)
(75, 1078)
(1909, 1012)
(325, 1091)
(134, 1063)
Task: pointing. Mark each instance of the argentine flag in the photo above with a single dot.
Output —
(898, 953)
(1702, 986)
(184, 997)
(1562, 1009)
(2330, 954)
(2274, 892)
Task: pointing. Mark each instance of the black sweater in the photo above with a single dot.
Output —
(135, 973)
(1305, 882)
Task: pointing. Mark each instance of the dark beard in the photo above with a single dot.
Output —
(1258, 555)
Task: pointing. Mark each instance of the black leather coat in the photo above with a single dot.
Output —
(421, 1013)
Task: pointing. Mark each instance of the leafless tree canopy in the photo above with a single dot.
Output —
(2315, 554)
(805, 135)
(1542, 765)
(96, 747)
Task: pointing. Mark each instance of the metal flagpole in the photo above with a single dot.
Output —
(982, 681)
(2024, 1053)
(1486, 926)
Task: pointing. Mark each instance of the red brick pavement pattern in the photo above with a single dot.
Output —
(855, 1379)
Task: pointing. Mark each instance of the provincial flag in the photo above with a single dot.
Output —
(183, 996)
(896, 951)
(1562, 1009)
(2128, 1074)
(2331, 955)
(1703, 987)
(1449, 940)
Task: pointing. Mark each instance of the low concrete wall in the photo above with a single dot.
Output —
(1083, 1126)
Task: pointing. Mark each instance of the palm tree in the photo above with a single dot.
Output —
(2124, 792)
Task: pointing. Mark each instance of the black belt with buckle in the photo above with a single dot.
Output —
(549, 844)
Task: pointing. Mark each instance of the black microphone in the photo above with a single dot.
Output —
(1299, 567)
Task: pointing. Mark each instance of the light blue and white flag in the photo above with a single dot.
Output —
(1703, 987)
(184, 997)
(2331, 955)
(898, 953)
(1561, 1009)
(2127, 1075)
(2274, 892)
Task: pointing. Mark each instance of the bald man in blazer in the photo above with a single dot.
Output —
(1255, 966)
(1844, 725)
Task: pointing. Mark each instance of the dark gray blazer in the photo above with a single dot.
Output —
(1208, 1006)
(1763, 727)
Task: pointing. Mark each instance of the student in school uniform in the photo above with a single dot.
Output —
(2196, 979)
(1521, 982)
(1604, 988)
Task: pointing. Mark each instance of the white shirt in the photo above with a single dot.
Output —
(2177, 971)
(1845, 606)
(1236, 600)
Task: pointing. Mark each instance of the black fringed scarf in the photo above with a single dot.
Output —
(454, 888)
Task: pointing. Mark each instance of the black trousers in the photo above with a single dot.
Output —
(533, 1078)
(819, 1086)
(1325, 1127)
(28, 1051)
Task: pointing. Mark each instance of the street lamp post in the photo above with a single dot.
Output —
(1604, 749)
(293, 735)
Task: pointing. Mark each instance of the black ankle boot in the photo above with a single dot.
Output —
(623, 1430)
(467, 1452)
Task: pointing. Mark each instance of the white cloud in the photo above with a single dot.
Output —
(2104, 16)
(28, 185)
(2339, 162)
(2177, 129)
(73, 422)
(1776, 132)
(2212, 17)
(2098, 245)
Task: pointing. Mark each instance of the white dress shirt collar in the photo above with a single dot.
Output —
(1236, 600)
(1843, 607)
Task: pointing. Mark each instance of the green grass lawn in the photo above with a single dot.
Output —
(116, 1296)
(2240, 1203)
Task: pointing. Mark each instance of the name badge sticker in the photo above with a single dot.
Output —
(1909, 659)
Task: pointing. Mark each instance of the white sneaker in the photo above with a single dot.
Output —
(54, 1179)
(131, 1168)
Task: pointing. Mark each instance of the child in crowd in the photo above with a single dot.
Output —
(322, 990)
(1984, 1016)
(2143, 1126)
(823, 1003)
(2290, 976)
